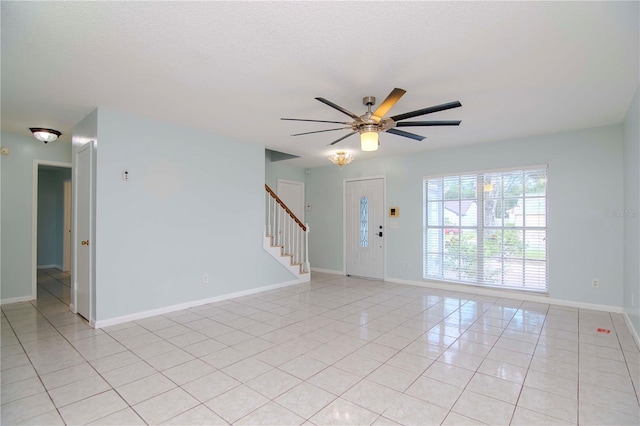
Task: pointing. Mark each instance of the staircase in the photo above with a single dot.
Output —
(286, 237)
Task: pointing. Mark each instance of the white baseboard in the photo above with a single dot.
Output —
(632, 329)
(165, 310)
(507, 294)
(50, 267)
(17, 299)
(327, 271)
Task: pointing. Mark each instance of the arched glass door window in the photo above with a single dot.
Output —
(364, 221)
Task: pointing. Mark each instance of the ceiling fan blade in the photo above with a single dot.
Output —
(428, 110)
(388, 103)
(321, 131)
(428, 123)
(338, 107)
(342, 138)
(406, 134)
(314, 121)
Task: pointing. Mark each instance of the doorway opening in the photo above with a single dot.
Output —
(51, 226)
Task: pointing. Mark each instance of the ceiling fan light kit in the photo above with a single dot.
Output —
(45, 135)
(370, 124)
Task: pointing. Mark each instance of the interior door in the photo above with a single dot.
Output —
(364, 233)
(292, 194)
(83, 244)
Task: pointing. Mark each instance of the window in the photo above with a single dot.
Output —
(364, 222)
(487, 228)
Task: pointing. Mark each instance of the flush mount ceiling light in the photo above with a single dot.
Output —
(341, 158)
(45, 135)
(372, 123)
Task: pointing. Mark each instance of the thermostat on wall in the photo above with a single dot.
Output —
(394, 211)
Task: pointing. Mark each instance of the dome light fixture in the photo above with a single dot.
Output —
(341, 158)
(45, 135)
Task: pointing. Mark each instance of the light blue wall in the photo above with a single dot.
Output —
(585, 176)
(51, 215)
(280, 170)
(17, 193)
(631, 129)
(193, 205)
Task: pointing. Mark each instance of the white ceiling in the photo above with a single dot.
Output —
(235, 68)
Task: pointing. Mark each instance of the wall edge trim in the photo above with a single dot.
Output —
(459, 288)
(180, 306)
(17, 299)
(632, 329)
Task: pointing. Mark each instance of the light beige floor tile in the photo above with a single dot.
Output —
(124, 417)
(357, 365)
(343, 412)
(224, 357)
(50, 418)
(407, 410)
(22, 409)
(455, 419)
(524, 417)
(305, 399)
(67, 376)
(596, 415)
(334, 380)
(199, 415)
(393, 377)
(170, 359)
(303, 367)
(246, 369)
(435, 392)
(494, 387)
(115, 361)
(210, 386)
(165, 406)
(371, 396)
(76, 391)
(187, 372)
(145, 388)
(127, 374)
(549, 404)
(273, 383)
(551, 383)
(92, 408)
(271, 414)
(456, 376)
(21, 389)
(17, 374)
(236, 403)
(483, 408)
(503, 370)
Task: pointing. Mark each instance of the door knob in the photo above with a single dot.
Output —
(85, 242)
(380, 234)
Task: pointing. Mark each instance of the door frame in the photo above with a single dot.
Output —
(34, 219)
(67, 234)
(304, 195)
(91, 146)
(384, 220)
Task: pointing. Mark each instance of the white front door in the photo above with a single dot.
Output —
(292, 194)
(83, 244)
(364, 233)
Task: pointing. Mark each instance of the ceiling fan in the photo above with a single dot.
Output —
(370, 124)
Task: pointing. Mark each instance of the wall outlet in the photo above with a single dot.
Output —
(595, 283)
(205, 279)
(406, 265)
(125, 175)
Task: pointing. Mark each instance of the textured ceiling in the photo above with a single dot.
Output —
(235, 68)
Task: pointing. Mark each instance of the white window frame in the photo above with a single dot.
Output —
(437, 273)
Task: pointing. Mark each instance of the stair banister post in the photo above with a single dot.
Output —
(307, 265)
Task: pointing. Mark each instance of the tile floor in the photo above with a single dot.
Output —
(336, 351)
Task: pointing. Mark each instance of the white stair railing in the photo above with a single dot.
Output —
(287, 231)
